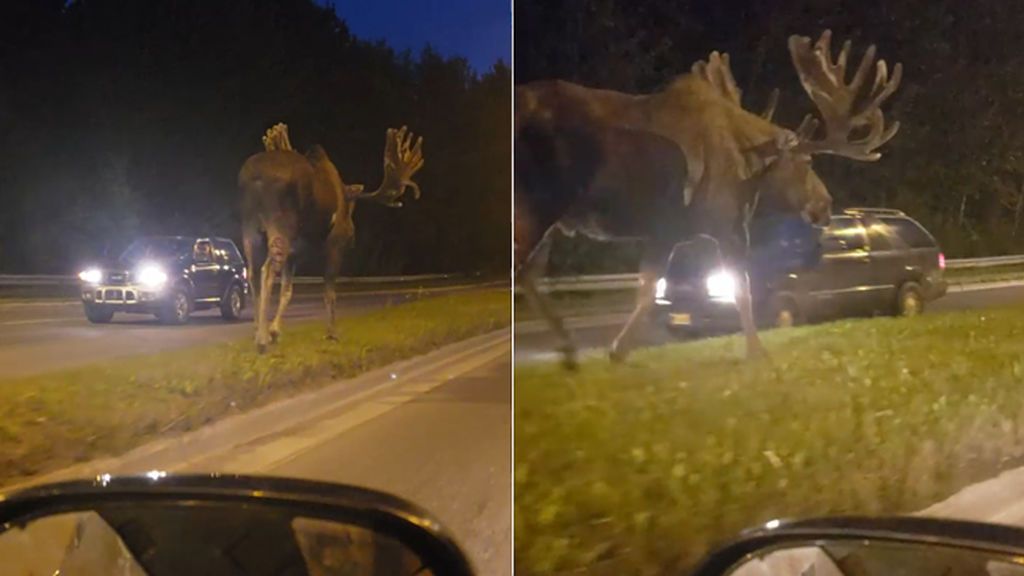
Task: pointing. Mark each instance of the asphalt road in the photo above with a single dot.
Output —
(594, 335)
(36, 337)
(436, 430)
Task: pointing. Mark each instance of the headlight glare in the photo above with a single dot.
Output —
(91, 275)
(722, 286)
(152, 276)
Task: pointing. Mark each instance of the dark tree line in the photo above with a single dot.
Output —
(957, 164)
(120, 117)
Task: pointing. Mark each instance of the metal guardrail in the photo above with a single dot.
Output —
(608, 282)
(56, 280)
(988, 262)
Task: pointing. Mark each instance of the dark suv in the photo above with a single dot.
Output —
(868, 261)
(170, 277)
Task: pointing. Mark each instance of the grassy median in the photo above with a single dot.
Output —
(58, 418)
(639, 468)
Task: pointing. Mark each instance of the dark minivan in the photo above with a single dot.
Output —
(867, 261)
(169, 277)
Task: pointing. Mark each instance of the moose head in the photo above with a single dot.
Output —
(851, 118)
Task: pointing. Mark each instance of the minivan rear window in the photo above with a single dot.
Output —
(910, 232)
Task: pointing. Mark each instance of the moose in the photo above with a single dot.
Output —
(296, 200)
(684, 162)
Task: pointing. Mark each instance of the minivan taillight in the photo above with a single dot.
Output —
(942, 261)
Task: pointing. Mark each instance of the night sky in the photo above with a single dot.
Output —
(479, 30)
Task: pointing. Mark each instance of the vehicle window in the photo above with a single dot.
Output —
(910, 232)
(156, 248)
(844, 234)
(203, 252)
(693, 259)
(226, 252)
(880, 236)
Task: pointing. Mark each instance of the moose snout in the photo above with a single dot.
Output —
(819, 212)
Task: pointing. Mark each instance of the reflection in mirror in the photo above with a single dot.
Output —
(877, 558)
(157, 539)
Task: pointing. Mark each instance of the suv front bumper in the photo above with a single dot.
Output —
(129, 298)
(698, 316)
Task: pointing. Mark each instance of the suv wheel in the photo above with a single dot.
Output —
(177, 308)
(785, 314)
(97, 314)
(231, 305)
(909, 301)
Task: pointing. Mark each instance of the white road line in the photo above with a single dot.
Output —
(175, 455)
(35, 321)
(290, 446)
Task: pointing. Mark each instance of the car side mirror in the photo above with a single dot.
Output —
(219, 524)
(868, 546)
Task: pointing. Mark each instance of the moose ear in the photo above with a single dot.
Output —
(779, 145)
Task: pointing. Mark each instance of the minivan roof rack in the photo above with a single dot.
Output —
(887, 211)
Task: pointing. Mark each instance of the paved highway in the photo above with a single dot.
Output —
(595, 334)
(40, 336)
(436, 430)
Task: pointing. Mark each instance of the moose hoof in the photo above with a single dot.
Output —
(261, 348)
(274, 336)
(757, 352)
(331, 337)
(569, 359)
(618, 355)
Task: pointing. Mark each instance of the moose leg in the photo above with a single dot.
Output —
(250, 237)
(745, 304)
(335, 245)
(535, 266)
(287, 275)
(263, 302)
(655, 259)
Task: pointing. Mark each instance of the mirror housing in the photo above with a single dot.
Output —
(1001, 546)
(134, 513)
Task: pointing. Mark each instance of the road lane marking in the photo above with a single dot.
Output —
(291, 445)
(36, 321)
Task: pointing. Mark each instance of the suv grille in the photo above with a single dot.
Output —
(117, 278)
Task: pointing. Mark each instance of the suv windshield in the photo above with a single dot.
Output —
(693, 259)
(156, 248)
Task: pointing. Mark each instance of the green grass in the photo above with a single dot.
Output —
(58, 418)
(639, 468)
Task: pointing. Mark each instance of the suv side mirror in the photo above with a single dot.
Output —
(854, 546)
(219, 524)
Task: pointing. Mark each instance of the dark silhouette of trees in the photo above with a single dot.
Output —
(960, 150)
(120, 117)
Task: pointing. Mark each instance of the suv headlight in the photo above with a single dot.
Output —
(91, 275)
(152, 276)
(722, 285)
(660, 287)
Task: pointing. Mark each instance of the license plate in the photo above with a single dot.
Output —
(113, 295)
(679, 319)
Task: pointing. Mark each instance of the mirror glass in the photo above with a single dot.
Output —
(156, 539)
(876, 558)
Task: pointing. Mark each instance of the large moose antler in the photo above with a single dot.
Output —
(841, 105)
(717, 72)
(401, 161)
(276, 138)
